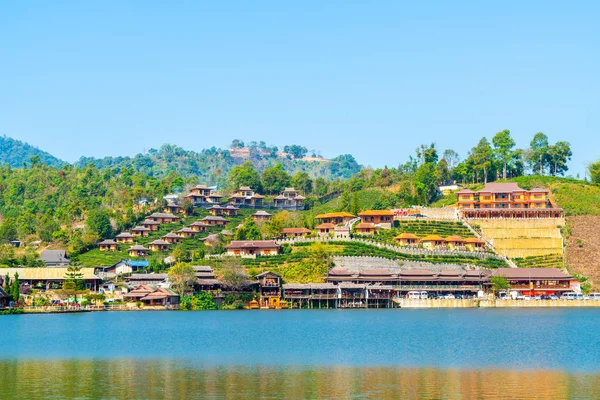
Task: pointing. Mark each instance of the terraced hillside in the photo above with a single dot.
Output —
(423, 228)
(583, 247)
(547, 261)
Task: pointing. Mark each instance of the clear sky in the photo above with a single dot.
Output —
(374, 79)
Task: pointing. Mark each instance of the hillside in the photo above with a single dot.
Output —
(583, 247)
(15, 152)
(211, 166)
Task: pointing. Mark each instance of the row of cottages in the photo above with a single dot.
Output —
(506, 200)
(252, 248)
(436, 241)
(245, 196)
(45, 278)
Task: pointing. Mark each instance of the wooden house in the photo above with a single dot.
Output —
(245, 196)
(202, 194)
(171, 238)
(187, 233)
(151, 295)
(199, 226)
(289, 199)
(262, 216)
(252, 248)
(125, 237)
(406, 239)
(173, 208)
(108, 245)
(138, 251)
(159, 245)
(140, 231)
(269, 286)
(295, 232)
(150, 224)
(163, 218)
(215, 221)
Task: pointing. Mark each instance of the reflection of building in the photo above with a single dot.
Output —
(506, 200)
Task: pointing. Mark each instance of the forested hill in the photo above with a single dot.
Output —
(211, 166)
(15, 153)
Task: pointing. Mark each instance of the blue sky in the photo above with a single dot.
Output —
(374, 79)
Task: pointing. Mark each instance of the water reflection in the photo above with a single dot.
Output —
(151, 378)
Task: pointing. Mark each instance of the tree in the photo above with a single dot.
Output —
(538, 152)
(7, 287)
(248, 231)
(74, 279)
(301, 181)
(98, 223)
(503, 145)
(179, 253)
(594, 171)
(427, 154)
(295, 150)
(233, 274)
(559, 154)
(244, 175)
(188, 207)
(15, 294)
(182, 278)
(275, 179)
(482, 156)
(452, 159)
(499, 283)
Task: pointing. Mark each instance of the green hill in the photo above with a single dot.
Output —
(15, 152)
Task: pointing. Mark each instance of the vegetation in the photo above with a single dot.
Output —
(499, 283)
(547, 261)
(17, 154)
(198, 302)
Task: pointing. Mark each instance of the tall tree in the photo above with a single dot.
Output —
(98, 223)
(7, 285)
(275, 179)
(503, 148)
(452, 159)
(594, 171)
(244, 175)
(15, 294)
(538, 152)
(482, 157)
(182, 278)
(559, 154)
(301, 181)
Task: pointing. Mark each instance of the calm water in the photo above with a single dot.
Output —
(467, 353)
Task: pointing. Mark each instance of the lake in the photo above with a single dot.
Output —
(449, 353)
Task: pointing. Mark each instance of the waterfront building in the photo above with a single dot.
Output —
(108, 245)
(151, 295)
(4, 299)
(537, 281)
(506, 200)
(269, 289)
(310, 295)
(289, 199)
(253, 248)
(136, 280)
(51, 278)
(206, 281)
(245, 196)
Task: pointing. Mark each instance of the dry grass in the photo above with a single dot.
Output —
(583, 247)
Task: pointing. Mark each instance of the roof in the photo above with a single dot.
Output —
(369, 213)
(163, 215)
(186, 230)
(202, 268)
(52, 273)
(295, 230)
(267, 273)
(539, 190)
(54, 256)
(260, 244)
(325, 226)
(244, 188)
(159, 242)
(124, 235)
(199, 223)
(147, 277)
(454, 238)
(432, 238)
(474, 240)
(531, 273)
(171, 235)
(339, 271)
(342, 214)
(213, 218)
(261, 214)
(140, 228)
(150, 222)
(107, 242)
(406, 236)
(465, 191)
(506, 187)
(365, 225)
(138, 247)
(207, 282)
(136, 263)
(290, 189)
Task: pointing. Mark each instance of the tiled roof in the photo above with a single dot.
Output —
(370, 213)
(238, 244)
(51, 273)
(335, 215)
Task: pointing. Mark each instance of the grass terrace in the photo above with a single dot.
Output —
(423, 228)
(547, 261)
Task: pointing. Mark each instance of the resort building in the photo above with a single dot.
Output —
(136, 280)
(199, 226)
(406, 239)
(455, 242)
(121, 268)
(151, 295)
(432, 241)
(310, 295)
(159, 245)
(4, 299)
(261, 216)
(537, 281)
(202, 194)
(55, 258)
(125, 237)
(381, 218)
(138, 251)
(108, 245)
(289, 199)
(150, 224)
(171, 238)
(229, 210)
(474, 244)
(186, 233)
(215, 221)
(506, 200)
(245, 196)
(163, 218)
(140, 231)
(325, 229)
(336, 218)
(253, 248)
(269, 288)
(173, 208)
(206, 281)
(50, 278)
(295, 232)
(364, 228)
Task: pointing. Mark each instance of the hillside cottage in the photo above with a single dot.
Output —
(125, 237)
(245, 196)
(252, 248)
(163, 218)
(138, 251)
(295, 232)
(289, 199)
(140, 231)
(159, 245)
(108, 245)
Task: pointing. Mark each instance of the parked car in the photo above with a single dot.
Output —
(569, 296)
(553, 297)
(450, 297)
(522, 297)
(460, 296)
(594, 296)
(414, 295)
(545, 297)
(424, 295)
